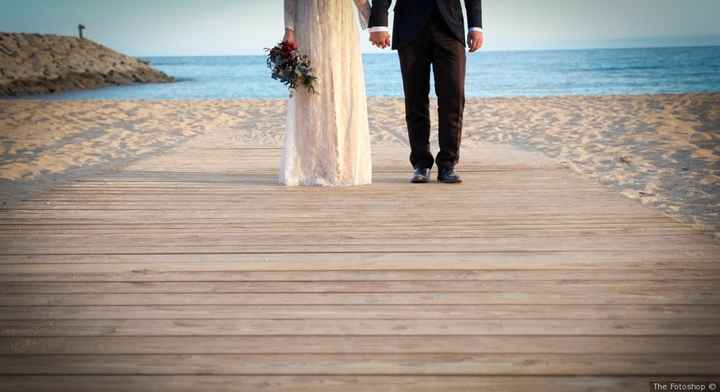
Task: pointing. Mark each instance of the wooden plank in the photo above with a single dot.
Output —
(174, 212)
(345, 327)
(548, 288)
(391, 177)
(503, 193)
(662, 294)
(447, 259)
(373, 242)
(396, 292)
(33, 276)
(210, 214)
(366, 312)
(365, 227)
(110, 194)
(370, 364)
(334, 202)
(326, 383)
(658, 345)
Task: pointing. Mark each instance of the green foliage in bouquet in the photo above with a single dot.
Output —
(290, 67)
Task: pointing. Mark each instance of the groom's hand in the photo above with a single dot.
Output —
(381, 39)
(475, 40)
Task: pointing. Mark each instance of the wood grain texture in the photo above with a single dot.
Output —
(431, 344)
(367, 364)
(176, 274)
(326, 383)
(347, 327)
(366, 312)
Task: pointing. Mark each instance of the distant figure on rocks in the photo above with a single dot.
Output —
(80, 30)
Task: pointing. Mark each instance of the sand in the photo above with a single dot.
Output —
(663, 150)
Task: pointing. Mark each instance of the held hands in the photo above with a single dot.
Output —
(475, 40)
(380, 39)
(289, 38)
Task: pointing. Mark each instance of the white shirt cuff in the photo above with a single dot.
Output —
(377, 29)
(476, 29)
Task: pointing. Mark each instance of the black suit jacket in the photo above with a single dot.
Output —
(411, 16)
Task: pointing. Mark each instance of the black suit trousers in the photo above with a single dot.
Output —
(437, 48)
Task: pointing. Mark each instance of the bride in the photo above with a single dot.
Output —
(327, 140)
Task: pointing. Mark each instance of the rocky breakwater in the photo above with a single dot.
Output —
(41, 64)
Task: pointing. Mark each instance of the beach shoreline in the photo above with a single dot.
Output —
(662, 150)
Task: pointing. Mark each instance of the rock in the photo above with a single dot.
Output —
(40, 64)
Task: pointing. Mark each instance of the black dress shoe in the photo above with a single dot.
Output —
(447, 175)
(421, 176)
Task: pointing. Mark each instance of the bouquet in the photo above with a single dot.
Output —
(290, 67)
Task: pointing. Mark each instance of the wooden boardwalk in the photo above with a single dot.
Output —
(182, 273)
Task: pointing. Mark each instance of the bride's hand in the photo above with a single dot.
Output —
(290, 38)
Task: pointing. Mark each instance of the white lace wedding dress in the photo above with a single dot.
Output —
(327, 140)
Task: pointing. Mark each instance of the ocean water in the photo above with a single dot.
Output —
(489, 74)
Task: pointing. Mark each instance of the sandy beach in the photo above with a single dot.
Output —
(663, 150)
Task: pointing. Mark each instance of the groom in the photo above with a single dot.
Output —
(431, 33)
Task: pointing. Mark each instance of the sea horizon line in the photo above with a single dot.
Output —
(485, 51)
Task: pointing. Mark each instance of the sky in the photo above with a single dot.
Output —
(237, 27)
